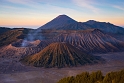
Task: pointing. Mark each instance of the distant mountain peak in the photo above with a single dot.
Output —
(64, 16)
(90, 22)
(60, 20)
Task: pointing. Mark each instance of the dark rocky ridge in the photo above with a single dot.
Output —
(105, 26)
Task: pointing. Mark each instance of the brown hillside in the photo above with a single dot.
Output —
(59, 55)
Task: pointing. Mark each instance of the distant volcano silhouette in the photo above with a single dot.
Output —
(64, 22)
(59, 55)
(60, 20)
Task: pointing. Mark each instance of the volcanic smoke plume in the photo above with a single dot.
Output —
(32, 36)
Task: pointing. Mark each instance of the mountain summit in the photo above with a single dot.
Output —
(60, 20)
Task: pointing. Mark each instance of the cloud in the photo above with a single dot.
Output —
(36, 9)
(24, 2)
(61, 9)
(119, 7)
(89, 4)
(30, 3)
(39, 6)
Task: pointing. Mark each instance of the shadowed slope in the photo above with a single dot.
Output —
(106, 27)
(74, 26)
(13, 35)
(59, 55)
(9, 37)
(92, 40)
(4, 29)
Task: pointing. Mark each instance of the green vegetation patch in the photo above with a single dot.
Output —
(95, 77)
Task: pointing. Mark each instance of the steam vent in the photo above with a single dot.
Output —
(59, 55)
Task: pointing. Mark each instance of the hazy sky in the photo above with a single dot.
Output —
(35, 13)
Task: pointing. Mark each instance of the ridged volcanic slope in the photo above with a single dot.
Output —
(92, 40)
(59, 55)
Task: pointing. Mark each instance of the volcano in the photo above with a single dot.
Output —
(90, 40)
(17, 50)
(60, 20)
(59, 55)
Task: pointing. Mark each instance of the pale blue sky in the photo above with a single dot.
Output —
(35, 13)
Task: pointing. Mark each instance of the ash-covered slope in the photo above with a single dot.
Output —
(59, 21)
(91, 40)
(17, 49)
(59, 55)
(106, 27)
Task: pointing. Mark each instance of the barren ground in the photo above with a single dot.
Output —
(11, 71)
